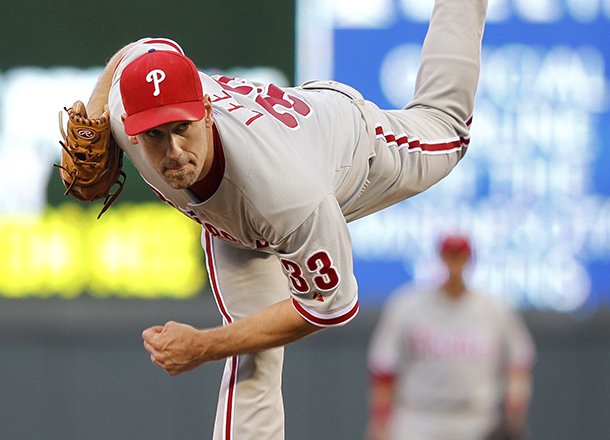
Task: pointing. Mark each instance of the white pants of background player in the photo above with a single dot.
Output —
(413, 148)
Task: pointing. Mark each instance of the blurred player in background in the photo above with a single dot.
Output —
(448, 362)
(273, 176)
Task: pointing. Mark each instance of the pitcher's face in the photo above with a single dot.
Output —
(181, 152)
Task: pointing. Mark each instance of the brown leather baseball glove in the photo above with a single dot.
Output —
(91, 160)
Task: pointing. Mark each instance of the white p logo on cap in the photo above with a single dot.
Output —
(156, 77)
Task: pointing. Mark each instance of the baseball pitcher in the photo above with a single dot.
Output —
(273, 175)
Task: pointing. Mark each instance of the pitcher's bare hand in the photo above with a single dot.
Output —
(175, 347)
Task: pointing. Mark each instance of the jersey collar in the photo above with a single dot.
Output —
(206, 187)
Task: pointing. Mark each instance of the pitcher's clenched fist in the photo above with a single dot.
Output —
(174, 347)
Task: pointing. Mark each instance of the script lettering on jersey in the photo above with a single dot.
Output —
(274, 102)
(189, 213)
(469, 343)
(213, 230)
(218, 232)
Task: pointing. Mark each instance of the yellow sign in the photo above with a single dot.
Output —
(133, 251)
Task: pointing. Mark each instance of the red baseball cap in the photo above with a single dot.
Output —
(454, 244)
(160, 87)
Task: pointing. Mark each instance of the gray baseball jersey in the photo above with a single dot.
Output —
(297, 165)
(449, 358)
(297, 168)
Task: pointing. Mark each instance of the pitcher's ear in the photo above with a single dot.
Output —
(209, 114)
(132, 139)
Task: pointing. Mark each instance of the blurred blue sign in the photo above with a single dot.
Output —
(533, 191)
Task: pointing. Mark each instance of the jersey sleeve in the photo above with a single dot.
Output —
(386, 349)
(520, 350)
(317, 260)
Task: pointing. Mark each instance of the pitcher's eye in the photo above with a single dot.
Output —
(153, 133)
(180, 128)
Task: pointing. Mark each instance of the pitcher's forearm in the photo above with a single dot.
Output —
(178, 347)
(275, 326)
(99, 96)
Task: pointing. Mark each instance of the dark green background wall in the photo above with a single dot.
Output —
(220, 34)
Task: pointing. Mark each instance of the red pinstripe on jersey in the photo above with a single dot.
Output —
(230, 399)
(438, 147)
(336, 319)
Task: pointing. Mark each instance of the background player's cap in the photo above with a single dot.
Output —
(454, 244)
(160, 87)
